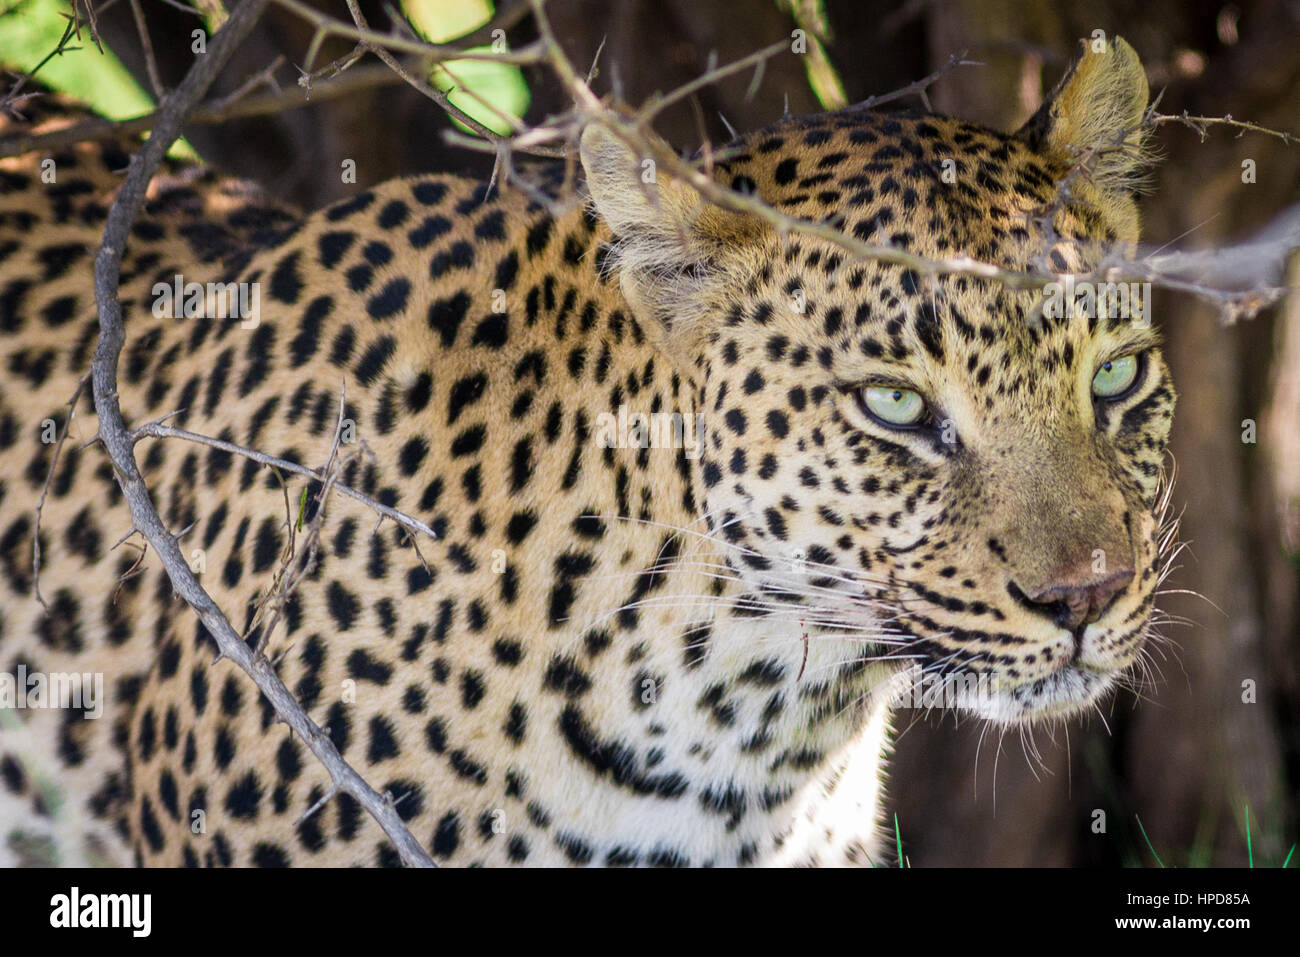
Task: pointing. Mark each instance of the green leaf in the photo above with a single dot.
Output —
(480, 88)
(30, 30)
(470, 83)
(441, 20)
(810, 16)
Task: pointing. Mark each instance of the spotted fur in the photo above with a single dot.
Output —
(618, 656)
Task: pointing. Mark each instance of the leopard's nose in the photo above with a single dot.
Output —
(1077, 597)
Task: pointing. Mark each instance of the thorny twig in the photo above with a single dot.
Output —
(71, 31)
(918, 88)
(299, 563)
(159, 430)
(327, 26)
(45, 489)
(263, 77)
(146, 45)
(439, 97)
(211, 112)
(1201, 123)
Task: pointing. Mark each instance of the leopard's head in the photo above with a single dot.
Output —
(978, 477)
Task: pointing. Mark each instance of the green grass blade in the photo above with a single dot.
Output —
(1250, 854)
(1148, 840)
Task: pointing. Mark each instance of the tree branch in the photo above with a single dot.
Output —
(118, 442)
(206, 114)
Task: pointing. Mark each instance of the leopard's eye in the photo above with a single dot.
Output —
(1114, 378)
(893, 406)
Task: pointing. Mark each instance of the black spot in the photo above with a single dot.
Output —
(516, 725)
(564, 676)
(491, 226)
(428, 231)
(412, 454)
(520, 524)
(288, 760)
(346, 208)
(468, 442)
(332, 247)
(492, 331)
(149, 826)
(363, 665)
(393, 214)
(269, 855)
(538, 237)
(383, 740)
(244, 796)
(507, 270)
(286, 284)
(471, 689)
(390, 300)
(446, 838)
(446, 315)
(429, 193)
(375, 358)
(344, 606)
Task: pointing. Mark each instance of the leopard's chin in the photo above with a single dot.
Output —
(1067, 691)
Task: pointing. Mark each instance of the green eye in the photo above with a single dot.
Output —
(1114, 378)
(893, 406)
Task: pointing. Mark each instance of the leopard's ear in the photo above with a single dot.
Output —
(1095, 115)
(672, 248)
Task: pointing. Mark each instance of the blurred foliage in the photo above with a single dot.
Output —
(811, 18)
(31, 31)
(482, 89)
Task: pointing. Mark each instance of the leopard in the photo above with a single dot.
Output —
(567, 641)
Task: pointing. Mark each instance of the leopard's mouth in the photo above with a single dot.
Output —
(1066, 691)
(1074, 684)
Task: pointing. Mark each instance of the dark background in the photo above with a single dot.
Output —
(1189, 759)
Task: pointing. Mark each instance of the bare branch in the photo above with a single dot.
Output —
(327, 26)
(657, 104)
(263, 77)
(118, 443)
(437, 96)
(918, 88)
(1201, 124)
(299, 564)
(158, 430)
(45, 489)
(146, 44)
(212, 112)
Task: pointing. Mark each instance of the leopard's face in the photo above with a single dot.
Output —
(935, 468)
(931, 468)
